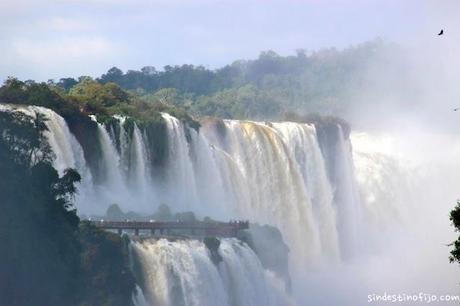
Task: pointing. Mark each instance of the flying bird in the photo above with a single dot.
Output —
(440, 33)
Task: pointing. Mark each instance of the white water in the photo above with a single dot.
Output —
(139, 298)
(111, 166)
(386, 203)
(140, 162)
(182, 273)
(68, 152)
(303, 145)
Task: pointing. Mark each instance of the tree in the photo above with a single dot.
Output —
(97, 97)
(455, 219)
(67, 83)
(47, 258)
(13, 91)
(39, 225)
(105, 275)
(29, 92)
(167, 96)
(149, 70)
(114, 74)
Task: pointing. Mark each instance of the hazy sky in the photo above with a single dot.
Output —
(56, 38)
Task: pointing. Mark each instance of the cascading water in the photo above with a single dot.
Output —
(182, 273)
(331, 204)
(267, 173)
(273, 189)
(140, 161)
(139, 298)
(68, 152)
(348, 201)
(303, 144)
(112, 175)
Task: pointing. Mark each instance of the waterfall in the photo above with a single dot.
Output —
(273, 173)
(139, 162)
(377, 212)
(182, 273)
(302, 141)
(67, 151)
(181, 175)
(111, 188)
(139, 298)
(272, 189)
(281, 174)
(347, 198)
(110, 158)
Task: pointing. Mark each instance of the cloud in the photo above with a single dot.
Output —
(61, 49)
(52, 58)
(132, 34)
(67, 24)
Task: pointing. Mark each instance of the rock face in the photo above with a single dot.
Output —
(212, 243)
(267, 242)
(114, 213)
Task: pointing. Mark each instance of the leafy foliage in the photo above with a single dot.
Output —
(59, 261)
(14, 91)
(455, 218)
(97, 97)
(46, 258)
(265, 88)
(39, 238)
(107, 279)
(89, 97)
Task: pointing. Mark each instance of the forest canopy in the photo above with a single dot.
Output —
(88, 97)
(266, 88)
(324, 82)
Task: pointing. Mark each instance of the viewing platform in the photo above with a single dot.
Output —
(166, 228)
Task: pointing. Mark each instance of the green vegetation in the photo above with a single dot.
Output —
(76, 100)
(89, 97)
(107, 277)
(38, 262)
(47, 257)
(162, 213)
(58, 260)
(266, 88)
(455, 218)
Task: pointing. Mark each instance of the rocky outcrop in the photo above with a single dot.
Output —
(267, 242)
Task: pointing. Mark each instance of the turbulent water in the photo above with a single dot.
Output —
(333, 205)
(182, 273)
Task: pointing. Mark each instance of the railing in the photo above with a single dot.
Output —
(194, 227)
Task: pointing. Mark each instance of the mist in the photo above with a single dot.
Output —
(339, 141)
(408, 179)
(413, 82)
(404, 116)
